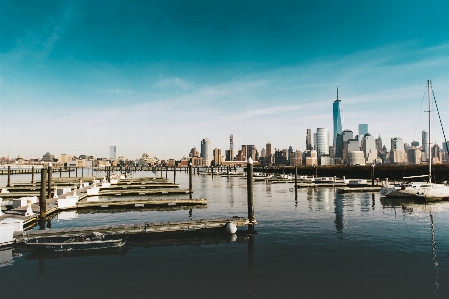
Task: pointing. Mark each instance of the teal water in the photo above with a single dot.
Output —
(322, 245)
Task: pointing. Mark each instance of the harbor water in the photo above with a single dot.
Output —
(322, 244)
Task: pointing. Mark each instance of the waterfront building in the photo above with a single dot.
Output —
(356, 158)
(197, 161)
(321, 141)
(414, 156)
(194, 153)
(309, 140)
(425, 144)
(337, 118)
(379, 145)
(296, 158)
(231, 147)
(397, 152)
(64, 158)
(112, 153)
(352, 145)
(326, 160)
(205, 152)
(217, 156)
(312, 160)
(369, 148)
(47, 157)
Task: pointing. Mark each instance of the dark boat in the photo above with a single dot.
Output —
(94, 241)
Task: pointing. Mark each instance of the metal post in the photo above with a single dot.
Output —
(32, 174)
(43, 196)
(9, 177)
(49, 180)
(190, 178)
(249, 182)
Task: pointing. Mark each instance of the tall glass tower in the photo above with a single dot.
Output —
(337, 118)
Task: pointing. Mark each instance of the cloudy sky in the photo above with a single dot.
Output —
(159, 76)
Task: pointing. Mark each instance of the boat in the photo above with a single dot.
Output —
(83, 242)
(426, 190)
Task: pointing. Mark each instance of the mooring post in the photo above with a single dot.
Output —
(166, 172)
(60, 171)
(249, 182)
(49, 180)
(212, 171)
(9, 177)
(372, 176)
(174, 174)
(82, 171)
(32, 174)
(43, 196)
(190, 178)
(296, 182)
(76, 171)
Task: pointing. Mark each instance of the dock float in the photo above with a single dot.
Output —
(179, 227)
(359, 189)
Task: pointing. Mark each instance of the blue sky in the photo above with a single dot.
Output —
(159, 76)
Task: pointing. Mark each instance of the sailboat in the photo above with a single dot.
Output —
(429, 191)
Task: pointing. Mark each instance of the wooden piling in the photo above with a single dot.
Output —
(9, 177)
(76, 171)
(296, 183)
(174, 174)
(43, 197)
(60, 171)
(249, 182)
(166, 172)
(32, 174)
(49, 181)
(190, 178)
(212, 171)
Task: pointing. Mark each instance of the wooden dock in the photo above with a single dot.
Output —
(359, 189)
(174, 227)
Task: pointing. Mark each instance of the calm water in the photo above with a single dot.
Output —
(324, 245)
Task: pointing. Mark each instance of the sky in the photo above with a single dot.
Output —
(157, 77)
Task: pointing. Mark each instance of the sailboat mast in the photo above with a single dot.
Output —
(430, 153)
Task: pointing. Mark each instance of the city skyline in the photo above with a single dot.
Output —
(154, 77)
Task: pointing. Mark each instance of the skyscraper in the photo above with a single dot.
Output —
(321, 138)
(425, 144)
(309, 140)
(231, 147)
(363, 129)
(337, 118)
(113, 153)
(205, 151)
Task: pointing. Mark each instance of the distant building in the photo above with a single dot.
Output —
(217, 156)
(415, 144)
(356, 158)
(378, 145)
(363, 129)
(414, 156)
(296, 159)
(309, 145)
(113, 153)
(312, 160)
(47, 157)
(425, 144)
(194, 153)
(369, 148)
(337, 119)
(205, 152)
(321, 141)
(397, 152)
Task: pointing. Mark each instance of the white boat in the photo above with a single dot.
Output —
(428, 190)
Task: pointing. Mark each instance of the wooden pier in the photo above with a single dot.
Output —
(173, 227)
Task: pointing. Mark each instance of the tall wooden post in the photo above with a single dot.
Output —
(49, 180)
(174, 174)
(76, 171)
(82, 172)
(296, 182)
(249, 182)
(212, 171)
(60, 171)
(372, 175)
(9, 177)
(32, 174)
(190, 178)
(43, 196)
(69, 171)
(166, 172)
